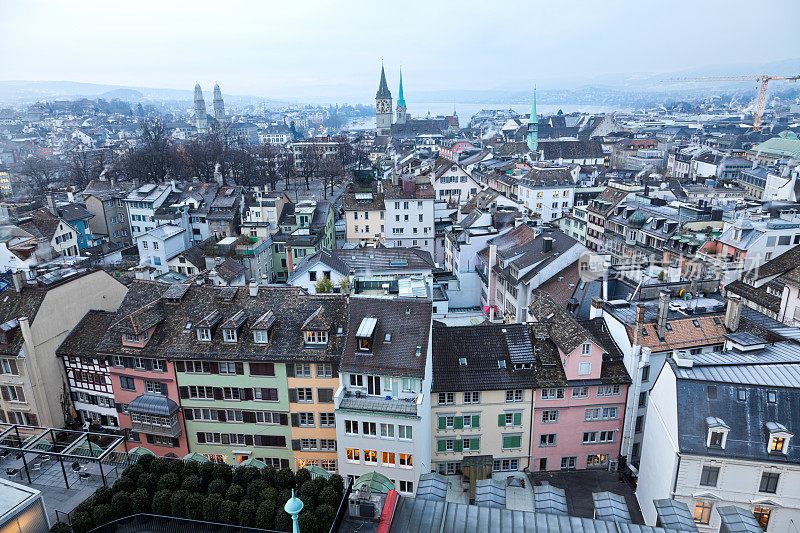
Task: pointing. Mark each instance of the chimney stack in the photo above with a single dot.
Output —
(638, 324)
(547, 244)
(253, 289)
(733, 312)
(663, 308)
(596, 310)
(18, 278)
(491, 277)
(51, 203)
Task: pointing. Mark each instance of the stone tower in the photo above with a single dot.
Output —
(533, 128)
(219, 105)
(200, 117)
(383, 107)
(402, 114)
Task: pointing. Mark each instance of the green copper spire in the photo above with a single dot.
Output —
(400, 99)
(533, 127)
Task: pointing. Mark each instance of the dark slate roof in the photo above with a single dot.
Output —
(409, 322)
(230, 269)
(565, 330)
(758, 295)
(482, 346)
(139, 320)
(172, 339)
(748, 435)
(571, 149)
(41, 227)
(74, 212)
(195, 256)
(785, 262)
(15, 305)
(83, 339)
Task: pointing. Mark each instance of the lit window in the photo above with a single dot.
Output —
(702, 512)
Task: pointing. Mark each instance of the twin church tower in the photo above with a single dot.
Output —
(383, 107)
(200, 116)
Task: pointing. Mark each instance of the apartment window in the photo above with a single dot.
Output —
(769, 482)
(772, 396)
(609, 390)
(327, 420)
(260, 337)
(127, 383)
(585, 369)
(204, 334)
(324, 370)
(356, 380)
(231, 393)
(387, 458)
(472, 397)
(552, 394)
(369, 429)
(702, 512)
(514, 395)
(762, 515)
(639, 423)
(138, 363)
(308, 444)
(153, 387)
(118, 361)
(580, 392)
(549, 416)
(316, 337)
(302, 370)
(229, 335)
(227, 368)
(327, 444)
(645, 373)
(351, 427)
(741, 395)
(200, 392)
(606, 436)
(568, 463)
(716, 439)
(547, 439)
(609, 413)
(586, 349)
(305, 395)
(353, 455)
(642, 399)
(306, 419)
(404, 432)
(10, 367)
(709, 476)
(590, 437)
(406, 460)
(447, 398)
(777, 444)
(387, 431)
(407, 486)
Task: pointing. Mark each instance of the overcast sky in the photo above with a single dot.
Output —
(313, 48)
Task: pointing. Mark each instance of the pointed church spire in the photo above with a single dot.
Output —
(533, 127)
(400, 98)
(383, 88)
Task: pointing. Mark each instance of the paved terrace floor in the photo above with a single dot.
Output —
(49, 479)
(579, 486)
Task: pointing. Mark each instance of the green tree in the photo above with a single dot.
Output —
(229, 512)
(234, 493)
(328, 496)
(122, 503)
(337, 482)
(194, 506)
(133, 472)
(81, 522)
(265, 515)
(103, 495)
(177, 504)
(161, 502)
(140, 500)
(60, 527)
(323, 286)
(308, 490)
(103, 514)
(124, 484)
(169, 481)
(192, 484)
(211, 507)
(218, 486)
(283, 522)
(247, 514)
(284, 479)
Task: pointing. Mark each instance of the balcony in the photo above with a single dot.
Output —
(350, 400)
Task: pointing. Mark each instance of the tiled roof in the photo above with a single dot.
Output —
(83, 339)
(788, 260)
(172, 338)
(684, 334)
(15, 305)
(408, 321)
(230, 269)
(565, 330)
(139, 320)
(758, 295)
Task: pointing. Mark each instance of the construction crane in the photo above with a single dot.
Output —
(763, 80)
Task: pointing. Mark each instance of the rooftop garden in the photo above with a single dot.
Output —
(211, 492)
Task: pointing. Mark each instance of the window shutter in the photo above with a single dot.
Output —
(183, 392)
(475, 443)
(325, 395)
(295, 420)
(127, 362)
(201, 437)
(74, 396)
(459, 422)
(148, 364)
(217, 393)
(226, 439)
(13, 365)
(119, 407)
(222, 415)
(458, 445)
(247, 394)
(295, 444)
(517, 419)
(440, 445)
(335, 367)
(4, 392)
(284, 463)
(248, 440)
(248, 417)
(188, 414)
(176, 442)
(33, 419)
(180, 366)
(163, 387)
(213, 367)
(517, 441)
(501, 420)
(239, 368)
(284, 419)
(289, 370)
(293, 395)
(20, 394)
(476, 421)
(149, 439)
(258, 440)
(442, 422)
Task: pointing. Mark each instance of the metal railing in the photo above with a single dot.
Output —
(343, 508)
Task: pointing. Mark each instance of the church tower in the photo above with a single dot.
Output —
(200, 117)
(402, 115)
(533, 128)
(219, 105)
(383, 107)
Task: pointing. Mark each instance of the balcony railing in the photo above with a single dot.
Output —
(350, 400)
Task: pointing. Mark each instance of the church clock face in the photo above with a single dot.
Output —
(383, 106)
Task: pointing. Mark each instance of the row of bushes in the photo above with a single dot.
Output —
(211, 492)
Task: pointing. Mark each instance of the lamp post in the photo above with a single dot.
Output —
(293, 506)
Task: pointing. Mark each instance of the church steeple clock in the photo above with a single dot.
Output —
(383, 107)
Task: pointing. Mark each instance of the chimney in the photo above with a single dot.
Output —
(18, 277)
(51, 202)
(733, 312)
(71, 196)
(547, 244)
(663, 308)
(253, 289)
(596, 310)
(638, 324)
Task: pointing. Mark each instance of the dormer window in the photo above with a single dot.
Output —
(779, 438)
(366, 333)
(717, 432)
(260, 337)
(204, 334)
(316, 337)
(229, 335)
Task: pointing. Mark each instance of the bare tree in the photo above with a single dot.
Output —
(286, 166)
(155, 157)
(311, 157)
(41, 172)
